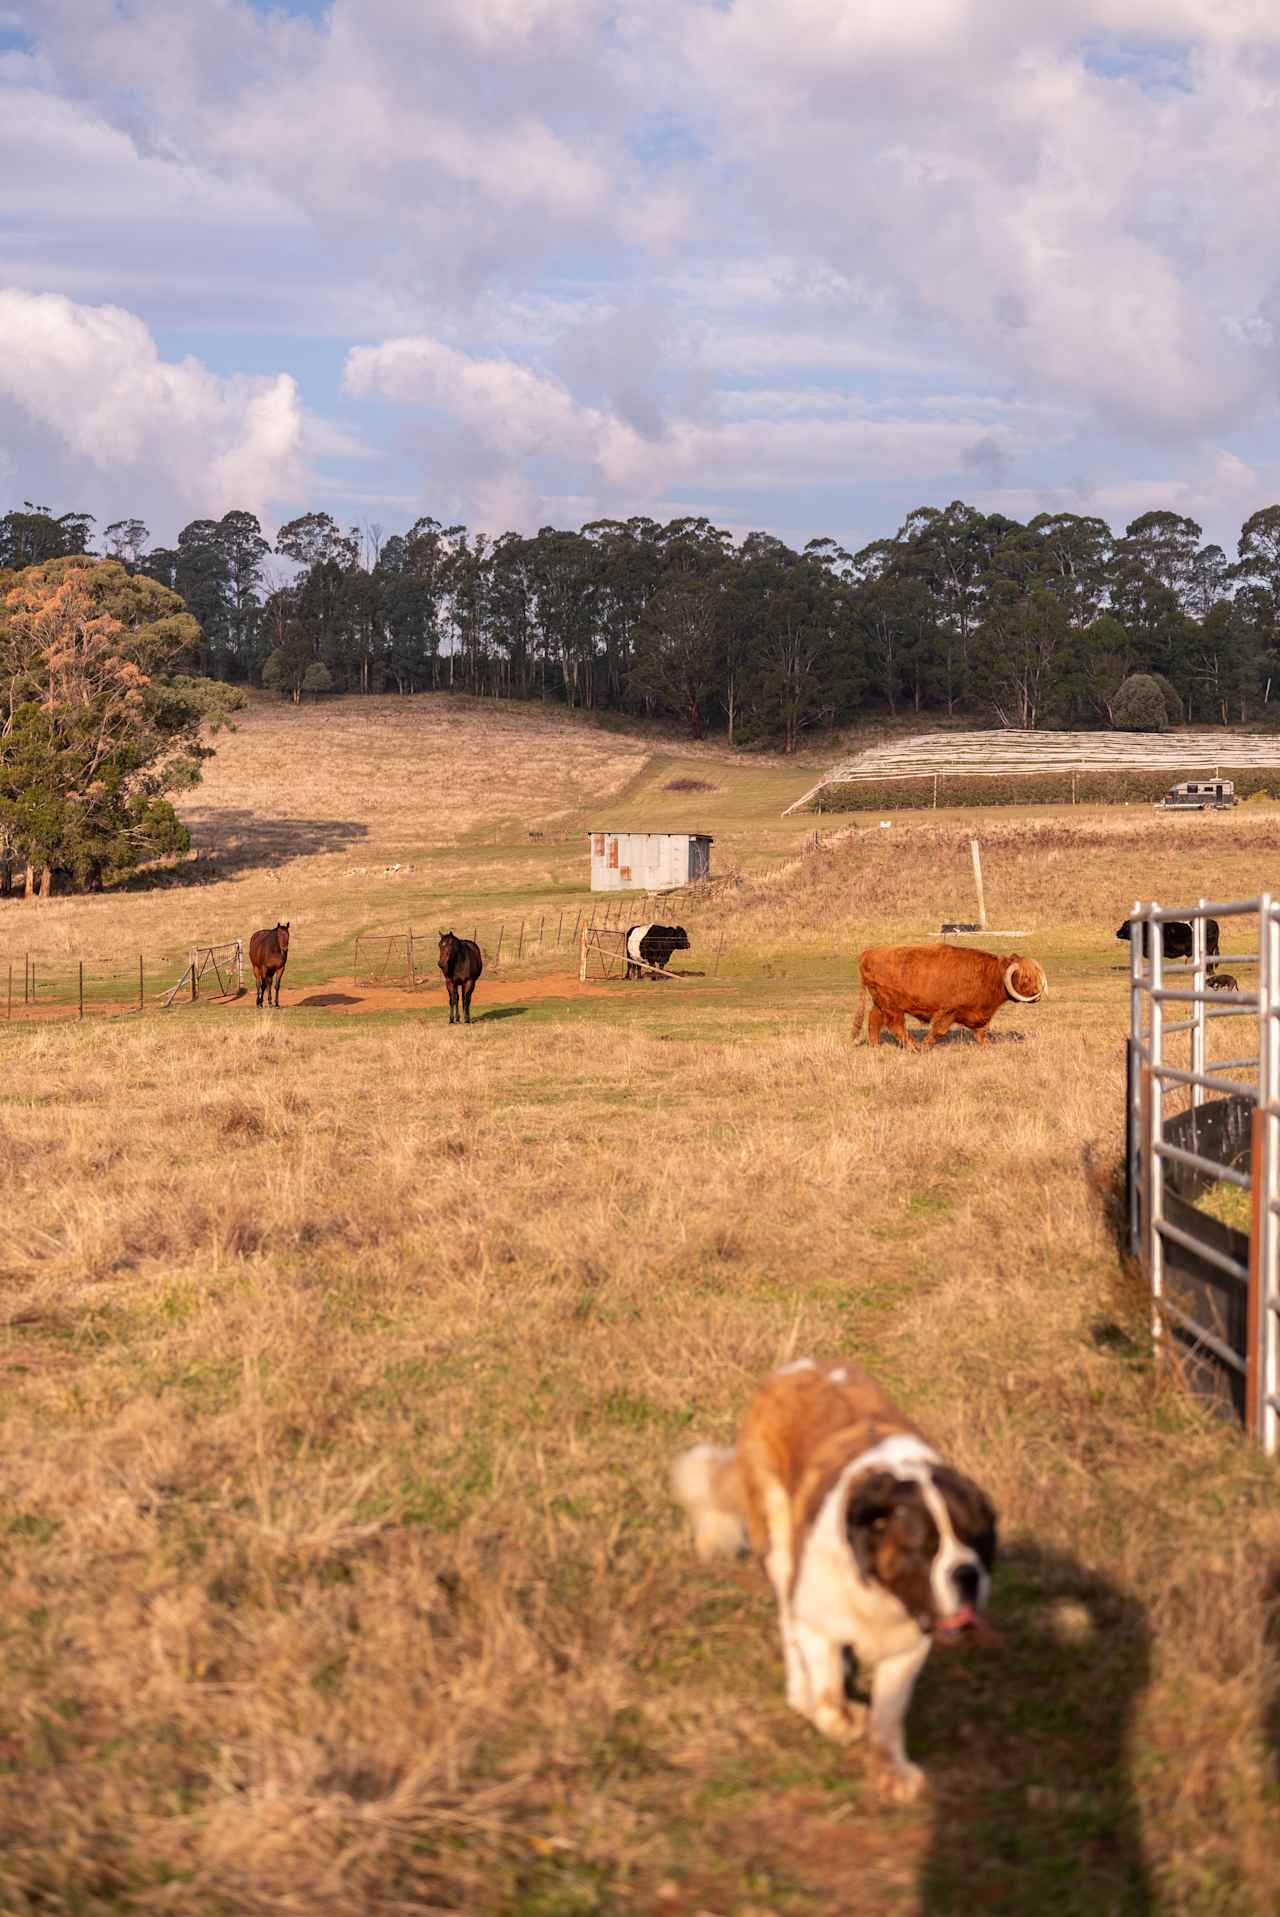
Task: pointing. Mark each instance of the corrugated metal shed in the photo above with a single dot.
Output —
(648, 861)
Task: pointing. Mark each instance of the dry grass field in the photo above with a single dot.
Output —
(342, 1360)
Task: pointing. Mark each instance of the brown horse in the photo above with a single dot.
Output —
(461, 964)
(268, 955)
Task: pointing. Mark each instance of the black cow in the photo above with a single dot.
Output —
(1177, 939)
(461, 964)
(653, 944)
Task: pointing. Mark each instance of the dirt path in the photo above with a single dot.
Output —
(345, 995)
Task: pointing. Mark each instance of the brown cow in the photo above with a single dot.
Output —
(268, 955)
(944, 985)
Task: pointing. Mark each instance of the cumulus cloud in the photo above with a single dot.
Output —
(92, 377)
(1004, 176)
(616, 247)
(500, 421)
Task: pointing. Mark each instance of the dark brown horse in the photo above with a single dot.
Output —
(461, 964)
(268, 955)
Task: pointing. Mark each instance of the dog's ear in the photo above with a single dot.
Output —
(868, 1511)
(971, 1511)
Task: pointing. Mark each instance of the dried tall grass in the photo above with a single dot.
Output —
(342, 1366)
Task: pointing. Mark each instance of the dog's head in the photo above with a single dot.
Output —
(929, 1540)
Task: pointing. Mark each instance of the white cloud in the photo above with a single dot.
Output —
(92, 377)
(618, 250)
(499, 420)
(1091, 239)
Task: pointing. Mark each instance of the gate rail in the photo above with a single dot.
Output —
(1186, 1256)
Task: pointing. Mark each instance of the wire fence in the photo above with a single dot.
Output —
(408, 959)
(40, 986)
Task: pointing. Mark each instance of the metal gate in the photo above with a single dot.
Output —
(1215, 1121)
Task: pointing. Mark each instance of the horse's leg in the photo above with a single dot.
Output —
(261, 977)
(468, 988)
(453, 1000)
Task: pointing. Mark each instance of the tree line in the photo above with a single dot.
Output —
(959, 612)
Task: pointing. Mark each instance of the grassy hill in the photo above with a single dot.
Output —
(343, 1359)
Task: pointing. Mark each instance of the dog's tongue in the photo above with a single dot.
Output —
(966, 1622)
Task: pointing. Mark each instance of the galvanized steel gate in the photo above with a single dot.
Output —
(1215, 1290)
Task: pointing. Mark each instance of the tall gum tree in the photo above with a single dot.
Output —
(97, 722)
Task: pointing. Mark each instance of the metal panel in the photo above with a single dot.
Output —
(1219, 1312)
(647, 861)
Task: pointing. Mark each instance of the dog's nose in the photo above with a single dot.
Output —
(966, 1580)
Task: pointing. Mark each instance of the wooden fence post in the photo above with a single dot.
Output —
(498, 954)
(195, 975)
(977, 880)
(520, 947)
(582, 957)
(82, 988)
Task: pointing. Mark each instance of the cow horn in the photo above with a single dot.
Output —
(1024, 998)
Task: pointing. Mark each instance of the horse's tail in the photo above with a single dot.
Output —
(858, 1010)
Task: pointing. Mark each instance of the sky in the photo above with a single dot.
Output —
(799, 265)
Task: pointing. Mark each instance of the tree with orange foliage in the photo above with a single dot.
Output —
(95, 728)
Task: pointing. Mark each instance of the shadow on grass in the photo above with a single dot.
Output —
(329, 998)
(500, 1011)
(228, 842)
(1035, 1810)
(958, 1035)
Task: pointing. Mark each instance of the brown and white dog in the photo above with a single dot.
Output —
(870, 1541)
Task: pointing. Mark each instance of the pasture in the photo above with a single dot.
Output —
(343, 1359)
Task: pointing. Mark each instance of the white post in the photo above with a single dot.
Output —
(1138, 1042)
(977, 880)
(1198, 984)
(1155, 1126)
(1265, 1261)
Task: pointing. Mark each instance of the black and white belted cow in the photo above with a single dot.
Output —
(653, 945)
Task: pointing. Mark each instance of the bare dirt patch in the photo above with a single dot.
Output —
(347, 995)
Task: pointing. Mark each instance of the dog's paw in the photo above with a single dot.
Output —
(842, 1723)
(902, 1783)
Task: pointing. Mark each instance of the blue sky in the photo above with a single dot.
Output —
(518, 262)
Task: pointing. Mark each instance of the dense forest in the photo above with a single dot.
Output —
(959, 612)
